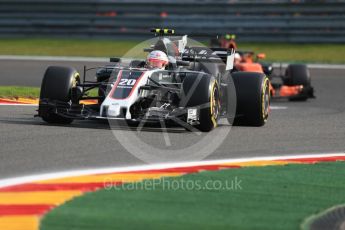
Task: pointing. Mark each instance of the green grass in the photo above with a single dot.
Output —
(19, 91)
(317, 53)
(65, 47)
(273, 197)
(309, 53)
(27, 92)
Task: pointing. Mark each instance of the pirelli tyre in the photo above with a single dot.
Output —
(56, 86)
(298, 74)
(253, 98)
(202, 91)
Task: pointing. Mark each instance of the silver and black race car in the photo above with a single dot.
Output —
(195, 90)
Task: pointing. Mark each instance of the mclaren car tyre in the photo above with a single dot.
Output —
(202, 92)
(57, 85)
(253, 98)
(298, 74)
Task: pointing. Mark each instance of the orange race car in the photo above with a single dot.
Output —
(295, 84)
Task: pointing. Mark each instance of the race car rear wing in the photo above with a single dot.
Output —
(204, 54)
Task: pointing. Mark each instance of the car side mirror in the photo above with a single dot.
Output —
(115, 59)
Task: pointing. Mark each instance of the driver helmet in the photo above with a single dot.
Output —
(157, 59)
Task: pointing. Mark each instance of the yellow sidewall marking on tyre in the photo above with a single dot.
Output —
(265, 85)
(75, 79)
(213, 119)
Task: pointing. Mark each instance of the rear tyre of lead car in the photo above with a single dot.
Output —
(56, 86)
(253, 98)
(202, 91)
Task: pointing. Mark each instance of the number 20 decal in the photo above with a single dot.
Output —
(127, 82)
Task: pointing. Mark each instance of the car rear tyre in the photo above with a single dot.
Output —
(56, 86)
(253, 98)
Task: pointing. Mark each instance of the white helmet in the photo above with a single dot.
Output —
(157, 59)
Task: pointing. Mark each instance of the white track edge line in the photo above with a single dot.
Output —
(53, 58)
(73, 173)
(274, 107)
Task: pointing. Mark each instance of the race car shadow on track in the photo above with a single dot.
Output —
(102, 125)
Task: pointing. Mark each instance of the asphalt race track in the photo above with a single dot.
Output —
(30, 73)
(29, 146)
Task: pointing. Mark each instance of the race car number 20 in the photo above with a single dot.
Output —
(128, 82)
